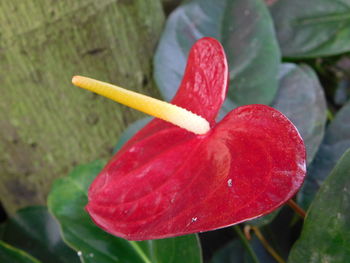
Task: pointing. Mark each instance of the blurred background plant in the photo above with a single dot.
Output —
(292, 55)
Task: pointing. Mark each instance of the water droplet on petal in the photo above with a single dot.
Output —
(194, 219)
(229, 182)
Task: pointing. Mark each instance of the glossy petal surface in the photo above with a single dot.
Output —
(167, 182)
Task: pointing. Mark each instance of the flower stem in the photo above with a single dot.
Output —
(330, 115)
(246, 243)
(296, 208)
(266, 245)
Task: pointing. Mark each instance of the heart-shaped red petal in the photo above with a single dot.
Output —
(167, 182)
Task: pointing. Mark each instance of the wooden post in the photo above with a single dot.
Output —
(47, 125)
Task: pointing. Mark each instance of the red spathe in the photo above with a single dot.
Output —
(167, 181)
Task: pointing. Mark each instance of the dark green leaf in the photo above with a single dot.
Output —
(300, 97)
(2, 229)
(244, 28)
(130, 131)
(342, 71)
(312, 28)
(342, 93)
(335, 143)
(173, 250)
(233, 252)
(67, 201)
(326, 232)
(10, 254)
(237, 252)
(35, 231)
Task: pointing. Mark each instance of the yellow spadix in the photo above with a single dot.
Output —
(154, 107)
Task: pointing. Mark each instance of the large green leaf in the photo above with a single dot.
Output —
(35, 231)
(325, 235)
(311, 28)
(335, 143)
(10, 254)
(173, 250)
(67, 201)
(244, 28)
(300, 97)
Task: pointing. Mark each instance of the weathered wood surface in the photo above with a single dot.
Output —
(46, 125)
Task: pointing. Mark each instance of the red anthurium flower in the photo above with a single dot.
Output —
(167, 181)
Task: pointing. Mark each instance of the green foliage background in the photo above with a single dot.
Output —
(292, 55)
